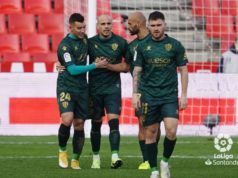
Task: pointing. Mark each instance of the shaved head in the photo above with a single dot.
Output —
(104, 25)
(104, 17)
(136, 23)
(138, 17)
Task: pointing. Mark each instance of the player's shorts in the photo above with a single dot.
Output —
(73, 102)
(111, 103)
(155, 112)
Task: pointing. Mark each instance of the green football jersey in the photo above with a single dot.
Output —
(72, 50)
(113, 49)
(159, 61)
(131, 51)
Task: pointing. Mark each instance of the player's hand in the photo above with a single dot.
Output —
(136, 101)
(101, 63)
(183, 102)
(60, 68)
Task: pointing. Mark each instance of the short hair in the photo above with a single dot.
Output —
(76, 17)
(156, 15)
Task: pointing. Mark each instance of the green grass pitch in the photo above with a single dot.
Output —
(36, 157)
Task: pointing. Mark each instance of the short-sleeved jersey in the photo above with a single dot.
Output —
(113, 49)
(159, 61)
(72, 50)
(132, 47)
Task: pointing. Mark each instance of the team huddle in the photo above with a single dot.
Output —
(152, 58)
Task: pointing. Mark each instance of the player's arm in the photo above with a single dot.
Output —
(184, 83)
(136, 82)
(121, 67)
(79, 69)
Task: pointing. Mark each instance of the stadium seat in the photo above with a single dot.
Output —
(56, 39)
(205, 7)
(9, 43)
(226, 42)
(35, 43)
(103, 7)
(117, 25)
(10, 6)
(44, 62)
(21, 23)
(215, 27)
(59, 6)
(16, 62)
(229, 7)
(51, 23)
(37, 6)
(194, 67)
(2, 24)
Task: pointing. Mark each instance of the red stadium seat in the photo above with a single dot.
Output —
(203, 66)
(35, 43)
(16, 62)
(215, 27)
(44, 62)
(51, 23)
(229, 7)
(226, 42)
(2, 24)
(10, 6)
(205, 7)
(56, 39)
(9, 43)
(37, 6)
(21, 23)
(59, 6)
(117, 25)
(103, 7)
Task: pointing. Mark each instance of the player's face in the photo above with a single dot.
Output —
(157, 28)
(133, 27)
(78, 29)
(104, 26)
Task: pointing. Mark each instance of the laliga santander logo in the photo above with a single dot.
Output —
(223, 143)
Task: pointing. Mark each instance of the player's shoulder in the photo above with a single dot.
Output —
(118, 38)
(173, 40)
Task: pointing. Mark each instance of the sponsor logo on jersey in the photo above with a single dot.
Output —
(85, 41)
(148, 48)
(67, 57)
(64, 48)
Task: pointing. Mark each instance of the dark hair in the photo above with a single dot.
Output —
(76, 17)
(156, 15)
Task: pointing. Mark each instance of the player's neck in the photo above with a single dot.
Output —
(143, 33)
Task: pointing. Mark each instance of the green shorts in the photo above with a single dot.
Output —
(101, 102)
(155, 112)
(73, 102)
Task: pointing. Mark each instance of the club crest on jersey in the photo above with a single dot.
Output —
(64, 48)
(148, 48)
(96, 46)
(75, 48)
(168, 47)
(114, 46)
(65, 104)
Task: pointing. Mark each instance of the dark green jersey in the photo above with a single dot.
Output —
(159, 61)
(131, 51)
(113, 49)
(72, 50)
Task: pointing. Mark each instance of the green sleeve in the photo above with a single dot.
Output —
(76, 70)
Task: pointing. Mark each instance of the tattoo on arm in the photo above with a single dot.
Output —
(136, 78)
